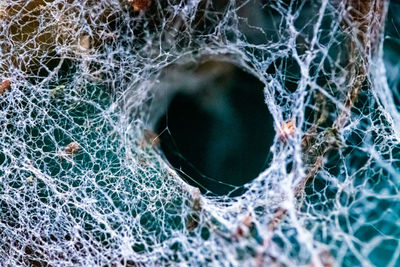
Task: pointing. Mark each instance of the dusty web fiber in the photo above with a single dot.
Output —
(83, 184)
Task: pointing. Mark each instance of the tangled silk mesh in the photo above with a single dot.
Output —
(82, 184)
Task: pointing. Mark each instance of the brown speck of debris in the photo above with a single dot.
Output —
(72, 148)
(3, 11)
(192, 221)
(287, 130)
(140, 5)
(243, 228)
(5, 85)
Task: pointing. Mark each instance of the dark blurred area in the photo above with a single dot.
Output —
(220, 134)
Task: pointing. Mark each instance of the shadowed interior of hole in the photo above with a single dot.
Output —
(218, 138)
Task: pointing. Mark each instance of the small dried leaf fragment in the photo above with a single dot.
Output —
(72, 148)
(140, 5)
(5, 85)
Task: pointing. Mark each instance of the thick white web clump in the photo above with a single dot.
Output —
(82, 183)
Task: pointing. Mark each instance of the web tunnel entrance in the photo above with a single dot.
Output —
(217, 136)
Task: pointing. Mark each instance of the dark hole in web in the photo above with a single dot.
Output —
(219, 137)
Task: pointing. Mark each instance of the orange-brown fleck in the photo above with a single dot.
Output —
(247, 221)
(5, 85)
(287, 130)
(140, 5)
(72, 148)
(243, 228)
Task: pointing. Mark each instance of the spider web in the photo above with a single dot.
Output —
(82, 184)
